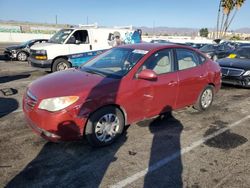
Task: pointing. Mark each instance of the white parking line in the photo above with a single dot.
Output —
(170, 158)
(18, 110)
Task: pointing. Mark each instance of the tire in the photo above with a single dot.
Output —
(205, 99)
(22, 56)
(60, 64)
(101, 123)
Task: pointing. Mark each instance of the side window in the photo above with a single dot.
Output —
(159, 62)
(80, 36)
(186, 59)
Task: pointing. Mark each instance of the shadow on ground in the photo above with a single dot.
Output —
(72, 164)
(4, 58)
(4, 79)
(165, 164)
(7, 105)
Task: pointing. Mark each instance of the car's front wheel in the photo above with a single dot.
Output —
(104, 126)
(205, 99)
(22, 56)
(60, 64)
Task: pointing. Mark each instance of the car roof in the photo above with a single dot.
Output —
(152, 46)
(245, 47)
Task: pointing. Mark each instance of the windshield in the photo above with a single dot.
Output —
(60, 36)
(27, 43)
(115, 62)
(243, 53)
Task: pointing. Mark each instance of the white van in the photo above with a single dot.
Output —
(74, 46)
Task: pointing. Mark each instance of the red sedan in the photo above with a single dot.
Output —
(119, 87)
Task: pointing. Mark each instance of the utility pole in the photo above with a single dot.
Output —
(87, 20)
(56, 19)
(153, 28)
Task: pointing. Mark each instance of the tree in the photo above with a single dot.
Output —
(235, 38)
(225, 17)
(203, 32)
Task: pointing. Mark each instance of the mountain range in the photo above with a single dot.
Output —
(146, 30)
(182, 31)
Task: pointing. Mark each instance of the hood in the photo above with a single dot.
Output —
(235, 63)
(41, 46)
(16, 47)
(71, 82)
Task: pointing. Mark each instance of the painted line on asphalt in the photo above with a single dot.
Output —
(170, 158)
(18, 110)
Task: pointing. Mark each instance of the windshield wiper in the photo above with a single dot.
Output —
(94, 72)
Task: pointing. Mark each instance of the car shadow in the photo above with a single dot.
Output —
(4, 79)
(72, 164)
(7, 105)
(230, 87)
(165, 164)
(4, 58)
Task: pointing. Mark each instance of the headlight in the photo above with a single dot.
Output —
(13, 51)
(43, 52)
(247, 73)
(57, 103)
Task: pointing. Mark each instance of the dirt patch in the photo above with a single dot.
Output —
(227, 140)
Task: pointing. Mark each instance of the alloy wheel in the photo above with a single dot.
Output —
(107, 127)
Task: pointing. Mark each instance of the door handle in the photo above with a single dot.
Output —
(90, 47)
(172, 83)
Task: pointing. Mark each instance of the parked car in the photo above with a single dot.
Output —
(123, 85)
(236, 68)
(242, 44)
(71, 47)
(159, 41)
(198, 45)
(217, 51)
(21, 52)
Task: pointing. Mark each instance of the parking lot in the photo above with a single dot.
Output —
(189, 149)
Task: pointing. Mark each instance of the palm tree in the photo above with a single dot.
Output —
(218, 20)
(227, 6)
(237, 5)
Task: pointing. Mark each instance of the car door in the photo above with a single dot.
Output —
(79, 42)
(155, 97)
(192, 76)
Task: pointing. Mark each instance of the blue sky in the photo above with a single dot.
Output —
(169, 13)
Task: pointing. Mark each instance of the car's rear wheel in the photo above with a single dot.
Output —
(205, 99)
(22, 56)
(104, 126)
(60, 64)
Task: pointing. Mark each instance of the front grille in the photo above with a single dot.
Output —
(30, 100)
(227, 71)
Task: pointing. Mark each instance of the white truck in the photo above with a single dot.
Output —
(74, 46)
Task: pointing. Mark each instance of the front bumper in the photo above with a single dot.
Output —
(237, 80)
(10, 54)
(45, 64)
(64, 125)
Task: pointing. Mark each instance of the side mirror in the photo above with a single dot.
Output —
(147, 74)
